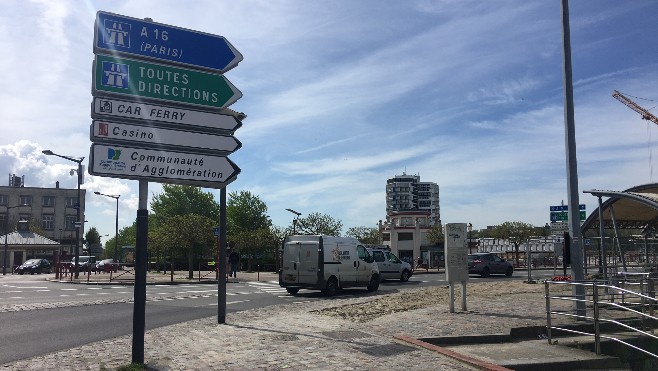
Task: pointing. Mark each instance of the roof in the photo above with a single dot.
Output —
(26, 238)
(634, 208)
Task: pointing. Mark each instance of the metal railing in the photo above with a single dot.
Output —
(626, 300)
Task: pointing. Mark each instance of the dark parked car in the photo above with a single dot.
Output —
(107, 265)
(85, 263)
(33, 266)
(486, 263)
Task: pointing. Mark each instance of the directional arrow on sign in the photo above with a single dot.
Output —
(110, 108)
(120, 35)
(163, 166)
(148, 80)
(162, 138)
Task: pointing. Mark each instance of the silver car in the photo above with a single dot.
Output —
(390, 267)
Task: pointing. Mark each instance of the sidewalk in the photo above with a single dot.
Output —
(306, 334)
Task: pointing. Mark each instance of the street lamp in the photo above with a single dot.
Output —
(469, 227)
(4, 261)
(116, 223)
(77, 160)
(294, 221)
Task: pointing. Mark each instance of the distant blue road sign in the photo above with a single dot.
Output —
(215, 231)
(120, 35)
(565, 207)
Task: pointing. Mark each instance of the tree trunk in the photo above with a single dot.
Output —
(516, 255)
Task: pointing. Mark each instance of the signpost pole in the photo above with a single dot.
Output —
(139, 307)
(572, 171)
(221, 282)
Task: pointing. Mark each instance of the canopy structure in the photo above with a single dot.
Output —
(634, 208)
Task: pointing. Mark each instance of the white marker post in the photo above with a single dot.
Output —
(456, 255)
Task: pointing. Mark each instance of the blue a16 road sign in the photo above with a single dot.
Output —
(120, 35)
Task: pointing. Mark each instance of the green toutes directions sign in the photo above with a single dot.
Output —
(129, 77)
(564, 216)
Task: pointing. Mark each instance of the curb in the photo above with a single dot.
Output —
(482, 365)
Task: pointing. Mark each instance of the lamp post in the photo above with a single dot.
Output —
(294, 221)
(4, 261)
(77, 160)
(116, 223)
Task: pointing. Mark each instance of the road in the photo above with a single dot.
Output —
(56, 316)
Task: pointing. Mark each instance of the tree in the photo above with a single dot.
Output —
(435, 235)
(248, 224)
(92, 237)
(127, 237)
(189, 235)
(175, 211)
(184, 200)
(366, 235)
(276, 237)
(514, 232)
(316, 223)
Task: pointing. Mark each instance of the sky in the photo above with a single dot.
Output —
(342, 95)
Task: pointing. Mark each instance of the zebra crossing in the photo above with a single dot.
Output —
(23, 297)
(235, 293)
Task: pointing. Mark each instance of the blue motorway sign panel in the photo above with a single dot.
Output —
(565, 207)
(120, 35)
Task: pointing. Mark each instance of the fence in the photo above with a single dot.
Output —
(624, 301)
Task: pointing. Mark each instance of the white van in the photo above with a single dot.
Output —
(326, 263)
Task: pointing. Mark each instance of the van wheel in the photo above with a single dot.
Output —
(332, 287)
(405, 276)
(292, 290)
(374, 283)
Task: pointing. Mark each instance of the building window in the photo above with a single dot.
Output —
(4, 200)
(49, 201)
(70, 222)
(405, 236)
(26, 200)
(71, 201)
(48, 222)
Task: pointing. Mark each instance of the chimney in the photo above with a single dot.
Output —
(57, 184)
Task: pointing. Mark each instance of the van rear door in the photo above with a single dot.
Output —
(308, 262)
(300, 263)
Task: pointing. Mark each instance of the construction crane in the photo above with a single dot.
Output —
(646, 115)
